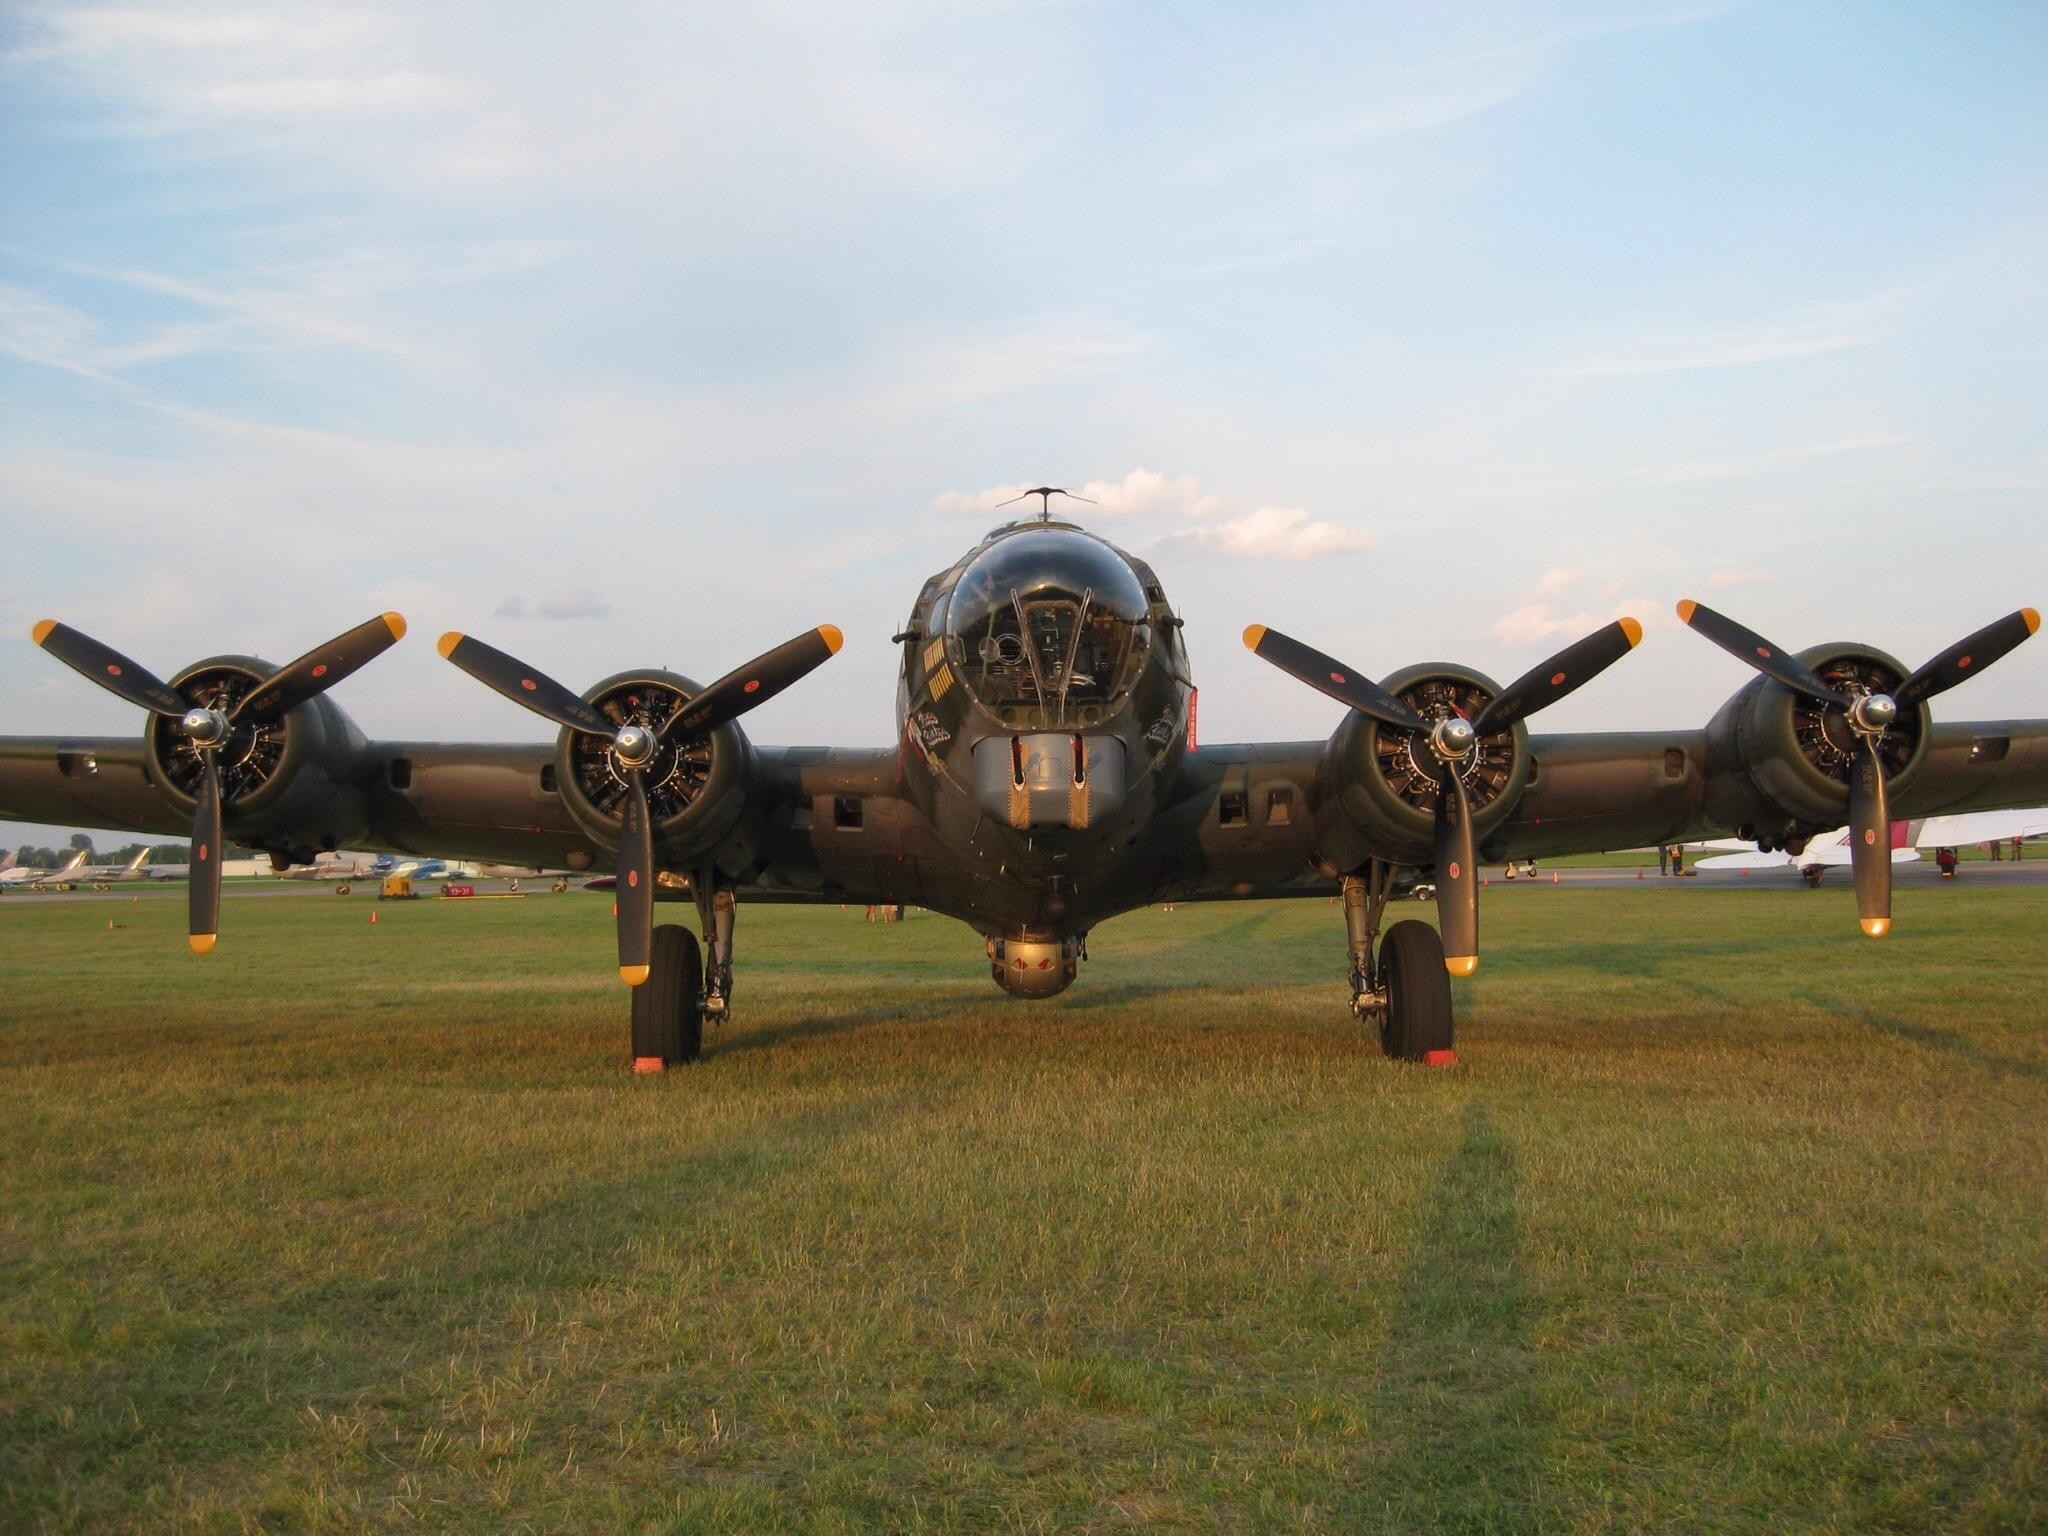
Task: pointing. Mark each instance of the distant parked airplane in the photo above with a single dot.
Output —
(336, 869)
(40, 879)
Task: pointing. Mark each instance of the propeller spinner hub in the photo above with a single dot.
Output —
(634, 746)
(1874, 713)
(206, 727)
(1452, 737)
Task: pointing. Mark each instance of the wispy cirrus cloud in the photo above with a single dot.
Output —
(1807, 331)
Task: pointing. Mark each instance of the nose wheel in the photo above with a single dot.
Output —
(1398, 980)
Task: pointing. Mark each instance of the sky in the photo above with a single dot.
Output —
(640, 334)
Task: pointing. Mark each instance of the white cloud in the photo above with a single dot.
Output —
(1141, 493)
(1267, 533)
(1557, 581)
(1536, 623)
(1279, 533)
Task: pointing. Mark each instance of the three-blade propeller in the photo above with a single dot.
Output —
(208, 729)
(1453, 741)
(1868, 716)
(634, 748)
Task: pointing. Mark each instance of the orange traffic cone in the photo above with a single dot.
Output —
(1553, 877)
(373, 916)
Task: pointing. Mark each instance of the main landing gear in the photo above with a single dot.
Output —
(1401, 985)
(685, 985)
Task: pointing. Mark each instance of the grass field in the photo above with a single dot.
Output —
(1729, 1220)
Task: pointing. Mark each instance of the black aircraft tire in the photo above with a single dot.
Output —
(668, 1012)
(1418, 992)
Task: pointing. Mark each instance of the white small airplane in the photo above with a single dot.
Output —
(1830, 850)
(1981, 827)
(336, 869)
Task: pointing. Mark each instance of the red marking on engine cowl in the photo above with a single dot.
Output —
(529, 684)
(753, 685)
(633, 878)
(321, 670)
(1454, 869)
(203, 851)
(1339, 678)
(1557, 679)
(112, 670)
(1764, 651)
(1963, 661)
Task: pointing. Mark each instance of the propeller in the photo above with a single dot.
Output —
(1868, 715)
(1452, 741)
(634, 748)
(208, 729)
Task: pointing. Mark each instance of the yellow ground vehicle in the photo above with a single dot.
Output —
(396, 888)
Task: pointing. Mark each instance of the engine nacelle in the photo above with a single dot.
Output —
(1379, 782)
(694, 788)
(1034, 967)
(293, 784)
(1779, 763)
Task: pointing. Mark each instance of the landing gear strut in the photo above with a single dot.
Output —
(716, 910)
(1401, 985)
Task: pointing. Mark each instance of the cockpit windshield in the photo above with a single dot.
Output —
(1047, 628)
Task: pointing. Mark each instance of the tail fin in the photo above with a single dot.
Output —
(77, 858)
(8, 862)
(141, 858)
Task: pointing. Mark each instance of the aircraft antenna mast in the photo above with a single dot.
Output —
(1045, 494)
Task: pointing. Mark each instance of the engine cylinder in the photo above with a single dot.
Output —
(1779, 756)
(692, 786)
(1385, 778)
(297, 776)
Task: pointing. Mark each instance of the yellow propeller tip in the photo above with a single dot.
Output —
(1633, 630)
(202, 943)
(829, 633)
(1685, 607)
(1876, 927)
(633, 975)
(447, 643)
(2032, 617)
(1253, 634)
(42, 631)
(395, 622)
(1461, 965)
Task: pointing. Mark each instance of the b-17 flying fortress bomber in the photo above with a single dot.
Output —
(1046, 776)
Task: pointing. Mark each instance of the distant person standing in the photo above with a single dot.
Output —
(1663, 858)
(1677, 858)
(1996, 848)
(2017, 844)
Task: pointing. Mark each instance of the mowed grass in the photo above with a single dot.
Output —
(1728, 1220)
